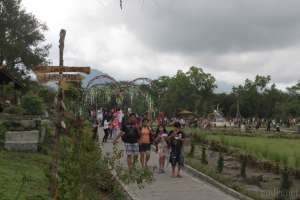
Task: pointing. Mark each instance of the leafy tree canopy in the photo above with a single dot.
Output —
(22, 42)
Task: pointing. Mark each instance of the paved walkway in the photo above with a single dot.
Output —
(164, 187)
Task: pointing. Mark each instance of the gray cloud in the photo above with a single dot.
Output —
(232, 39)
(194, 26)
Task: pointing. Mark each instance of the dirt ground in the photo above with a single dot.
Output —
(259, 182)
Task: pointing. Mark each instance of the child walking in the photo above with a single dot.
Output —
(161, 147)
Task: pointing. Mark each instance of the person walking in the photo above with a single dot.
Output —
(95, 131)
(161, 147)
(130, 136)
(115, 127)
(100, 117)
(176, 139)
(106, 130)
(145, 143)
(269, 125)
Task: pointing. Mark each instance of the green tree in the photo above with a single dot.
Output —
(21, 37)
(251, 96)
(192, 90)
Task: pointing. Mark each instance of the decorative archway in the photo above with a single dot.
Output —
(121, 92)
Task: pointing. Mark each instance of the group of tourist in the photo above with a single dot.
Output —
(140, 139)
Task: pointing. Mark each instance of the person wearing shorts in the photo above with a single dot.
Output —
(130, 136)
(145, 144)
(161, 147)
(176, 140)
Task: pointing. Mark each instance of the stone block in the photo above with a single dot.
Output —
(22, 140)
(28, 124)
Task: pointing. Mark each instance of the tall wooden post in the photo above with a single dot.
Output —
(56, 73)
(59, 113)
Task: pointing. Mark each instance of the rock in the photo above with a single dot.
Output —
(255, 180)
(228, 158)
(234, 166)
(21, 140)
(28, 124)
(21, 125)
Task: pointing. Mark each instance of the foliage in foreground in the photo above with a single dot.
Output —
(85, 173)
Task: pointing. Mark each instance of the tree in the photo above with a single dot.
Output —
(190, 90)
(251, 96)
(21, 38)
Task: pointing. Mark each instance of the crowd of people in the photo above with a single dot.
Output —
(140, 138)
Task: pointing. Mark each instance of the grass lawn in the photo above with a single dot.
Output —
(275, 149)
(27, 169)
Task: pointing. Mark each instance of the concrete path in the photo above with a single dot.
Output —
(164, 187)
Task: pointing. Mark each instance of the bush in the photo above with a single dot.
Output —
(32, 104)
(204, 156)
(220, 164)
(244, 161)
(285, 185)
(2, 134)
(13, 110)
(48, 96)
(192, 151)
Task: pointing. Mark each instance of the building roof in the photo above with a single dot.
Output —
(6, 76)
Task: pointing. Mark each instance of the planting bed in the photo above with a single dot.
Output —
(267, 156)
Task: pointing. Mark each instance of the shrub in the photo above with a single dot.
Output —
(13, 110)
(192, 151)
(220, 164)
(32, 104)
(243, 160)
(47, 95)
(204, 156)
(2, 134)
(285, 185)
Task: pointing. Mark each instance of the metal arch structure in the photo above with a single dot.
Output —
(109, 86)
(147, 80)
(99, 85)
(99, 77)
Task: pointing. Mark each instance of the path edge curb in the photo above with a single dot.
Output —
(125, 189)
(197, 174)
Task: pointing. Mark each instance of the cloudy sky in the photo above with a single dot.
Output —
(232, 39)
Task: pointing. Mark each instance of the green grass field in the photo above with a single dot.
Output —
(22, 176)
(275, 149)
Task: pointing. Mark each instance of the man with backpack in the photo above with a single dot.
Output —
(130, 136)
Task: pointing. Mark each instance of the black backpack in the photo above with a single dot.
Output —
(130, 132)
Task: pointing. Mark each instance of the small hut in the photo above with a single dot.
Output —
(185, 114)
(7, 77)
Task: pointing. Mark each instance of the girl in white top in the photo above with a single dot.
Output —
(162, 147)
